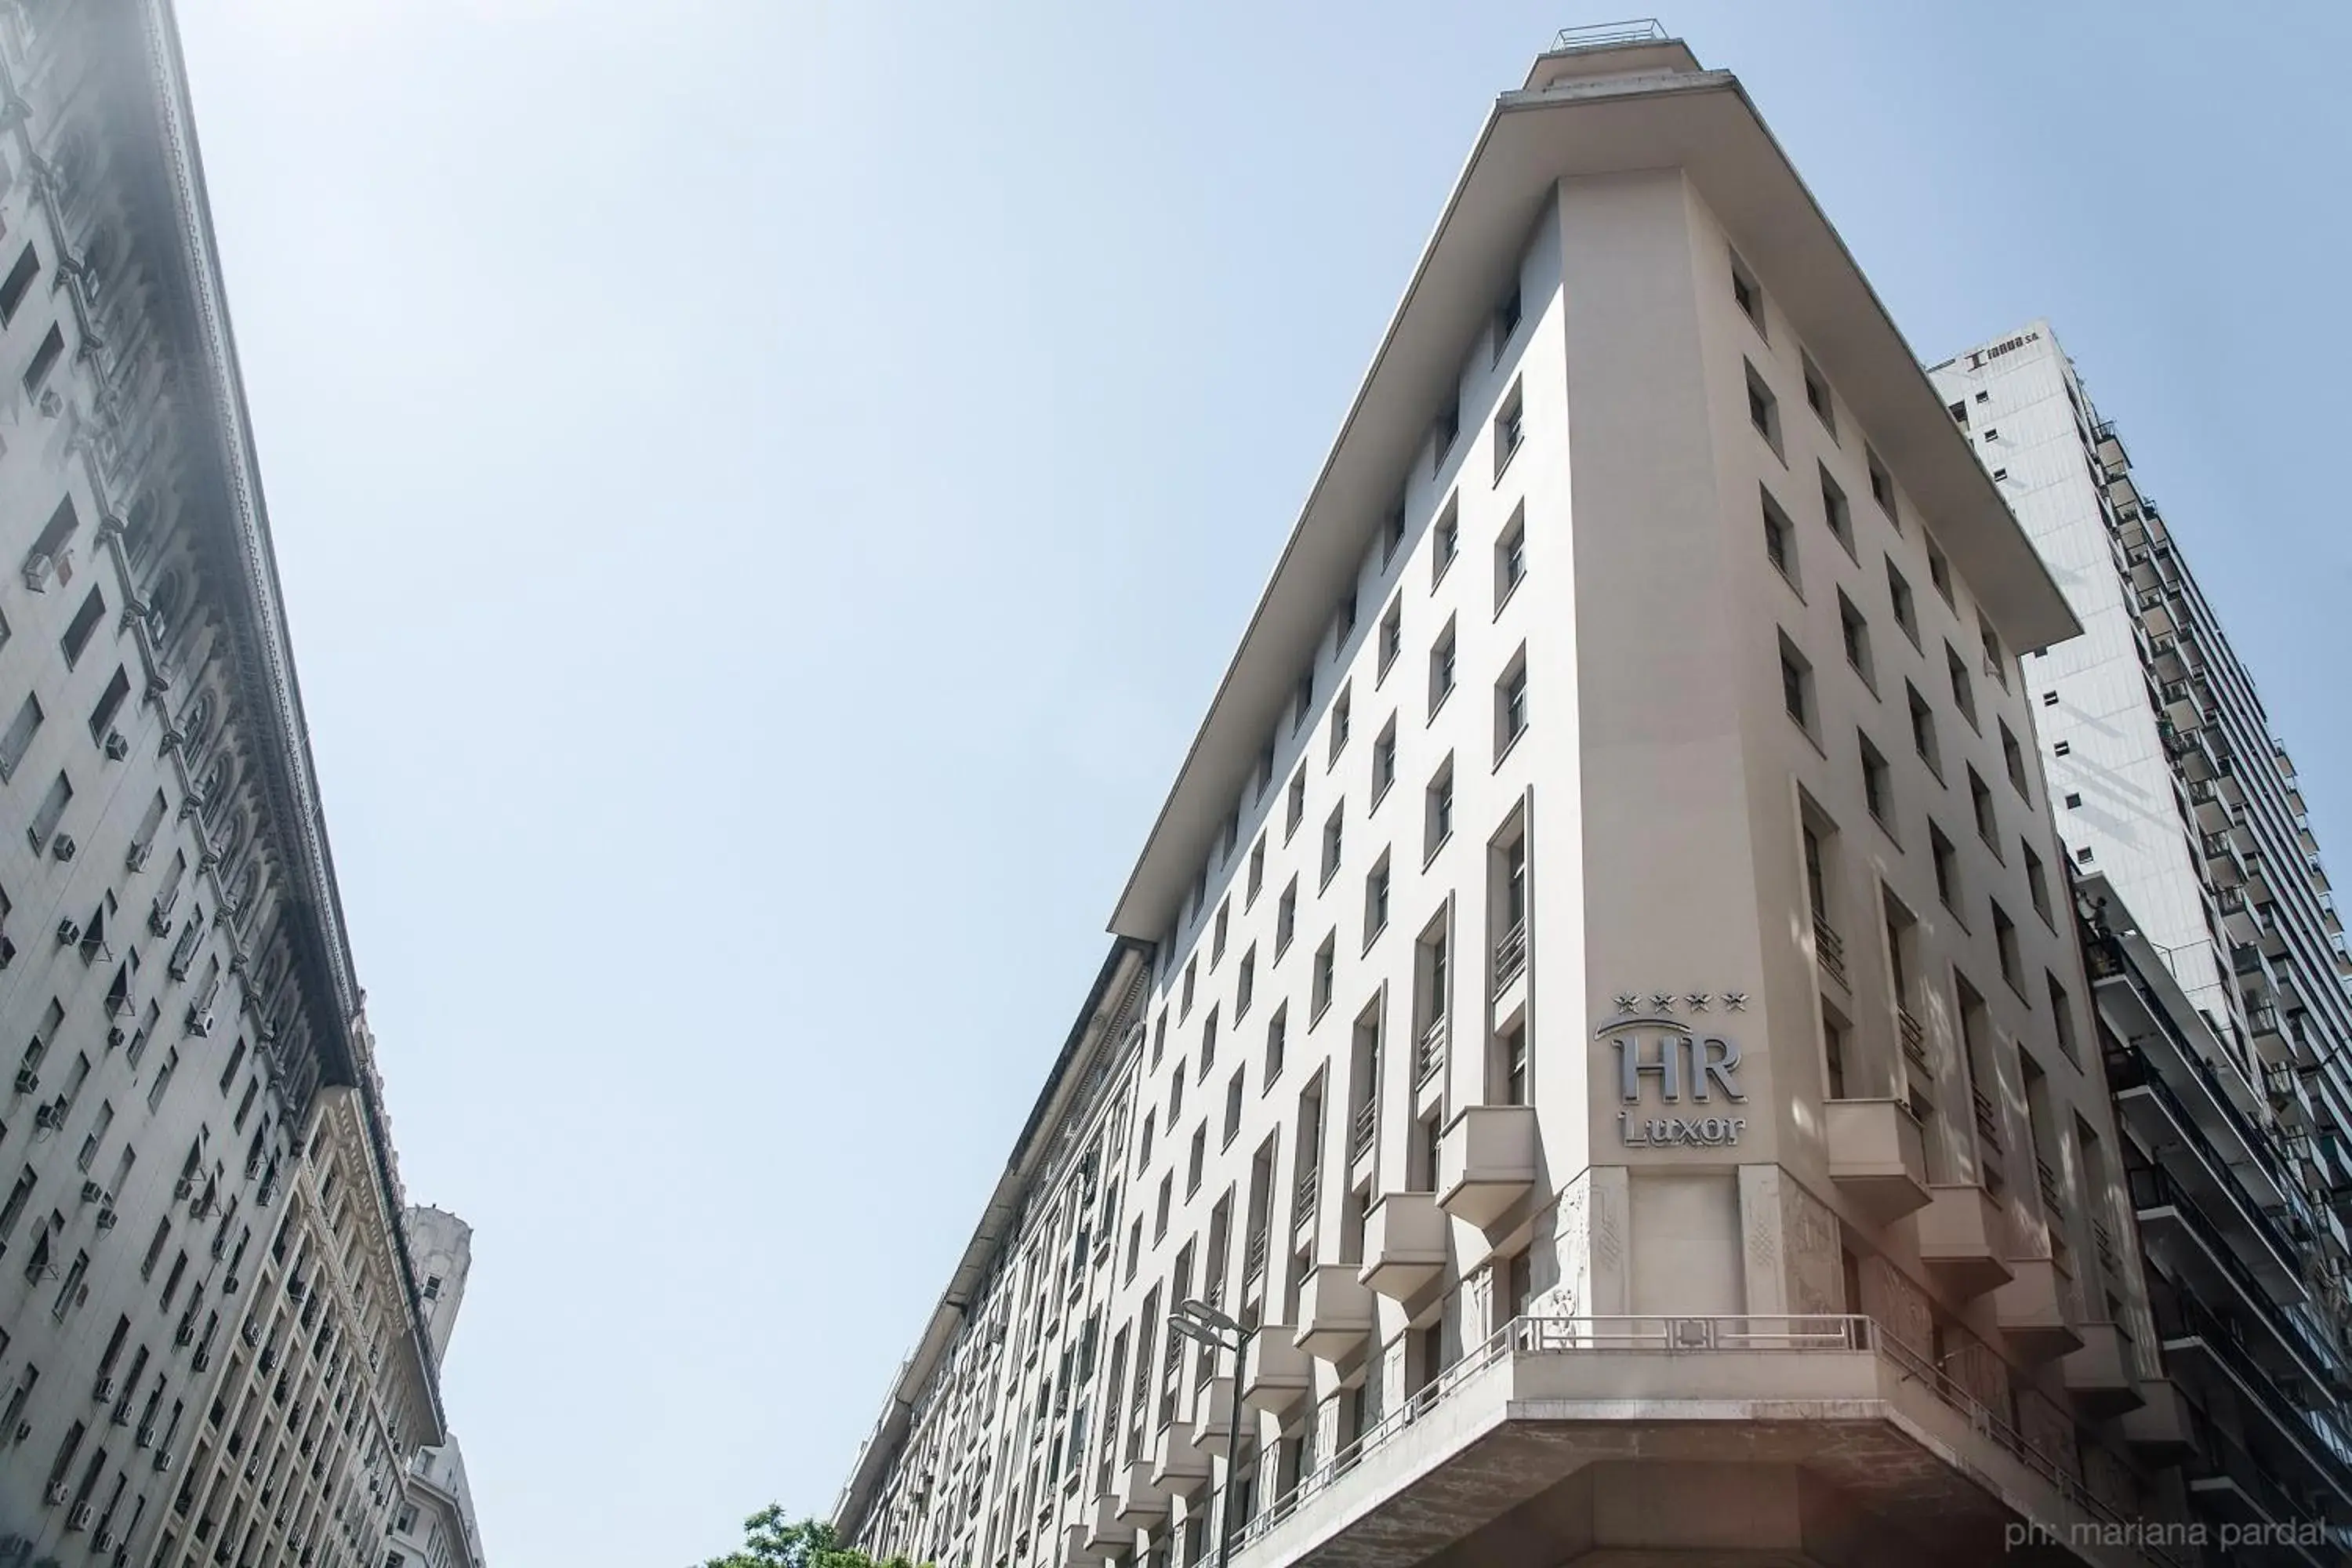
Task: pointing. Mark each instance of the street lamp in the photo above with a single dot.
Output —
(1198, 1321)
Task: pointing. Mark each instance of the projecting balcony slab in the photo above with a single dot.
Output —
(1212, 1418)
(1335, 1312)
(1177, 1463)
(2037, 1312)
(1876, 1157)
(2160, 1429)
(2101, 1376)
(1404, 1244)
(1279, 1373)
(1141, 1501)
(1962, 1238)
(1486, 1161)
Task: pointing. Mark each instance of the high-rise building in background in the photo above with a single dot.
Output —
(2217, 954)
(434, 1527)
(213, 1346)
(1600, 1009)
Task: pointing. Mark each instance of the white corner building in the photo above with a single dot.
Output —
(434, 1527)
(1600, 1003)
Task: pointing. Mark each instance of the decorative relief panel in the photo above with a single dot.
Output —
(1811, 1239)
(2049, 1430)
(1899, 1305)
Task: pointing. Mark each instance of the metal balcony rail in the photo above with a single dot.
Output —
(2135, 1066)
(2226, 1343)
(1309, 1194)
(1915, 1037)
(2155, 1188)
(1610, 34)
(2104, 1240)
(1429, 1053)
(1829, 948)
(1987, 1124)
(2048, 1179)
(1511, 955)
(1253, 1258)
(1359, 1135)
(1659, 1336)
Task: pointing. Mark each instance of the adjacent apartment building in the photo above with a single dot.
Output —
(212, 1345)
(1598, 1009)
(2218, 957)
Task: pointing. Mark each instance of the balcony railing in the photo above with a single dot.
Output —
(1585, 1336)
(2048, 1180)
(2155, 1188)
(1829, 948)
(1915, 1037)
(1367, 1121)
(1987, 1124)
(1511, 955)
(1253, 1258)
(1429, 1052)
(2183, 1316)
(1308, 1197)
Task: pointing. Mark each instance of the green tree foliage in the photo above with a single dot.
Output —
(770, 1542)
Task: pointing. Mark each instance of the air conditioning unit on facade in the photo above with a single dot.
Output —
(117, 748)
(104, 1391)
(107, 1218)
(68, 934)
(81, 1516)
(27, 1080)
(92, 1192)
(38, 570)
(64, 849)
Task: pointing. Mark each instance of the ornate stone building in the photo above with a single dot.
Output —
(212, 1344)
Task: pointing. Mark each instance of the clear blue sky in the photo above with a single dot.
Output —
(765, 490)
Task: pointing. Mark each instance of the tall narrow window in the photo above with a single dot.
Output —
(1836, 512)
(1343, 714)
(1326, 959)
(1817, 395)
(1877, 784)
(18, 738)
(1780, 540)
(1441, 669)
(1906, 610)
(1923, 729)
(1444, 430)
(1747, 295)
(1980, 802)
(45, 360)
(1881, 486)
(1511, 704)
(1510, 428)
(1286, 918)
(84, 623)
(1511, 556)
(1392, 635)
(18, 281)
(1384, 761)
(1855, 632)
(1376, 901)
(1445, 540)
(1796, 685)
(2013, 757)
(1964, 694)
(1948, 867)
(1333, 842)
(110, 703)
(1939, 573)
(1763, 410)
(51, 810)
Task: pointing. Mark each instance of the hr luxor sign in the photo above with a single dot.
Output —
(1695, 1075)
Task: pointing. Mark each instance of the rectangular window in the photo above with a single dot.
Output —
(1877, 784)
(45, 360)
(1780, 540)
(1923, 729)
(1510, 557)
(1817, 395)
(1234, 1092)
(1511, 705)
(18, 738)
(1384, 761)
(1437, 811)
(52, 810)
(1184, 1004)
(1837, 513)
(2013, 757)
(2062, 1014)
(2004, 938)
(1906, 610)
(1881, 486)
(1506, 323)
(1222, 924)
(1318, 993)
(1208, 1043)
(1343, 717)
(1763, 410)
(18, 281)
(1256, 871)
(1796, 685)
(84, 623)
(1855, 632)
(1277, 1041)
(1333, 842)
(1376, 901)
(1963, 691)
(1939, 573)
(1245, 984)
(1980, 802)
(1392, 635)
(1747, 295)
(1510, 429)
(1995, 661)
(1441, 669)
(2037, 882)
(1445, 541)
(1444, 430)
(1948, 867)
(1294, 807)
(109, 702)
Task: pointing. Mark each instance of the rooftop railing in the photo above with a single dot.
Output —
(1610, 34)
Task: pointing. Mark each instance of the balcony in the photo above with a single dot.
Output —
(1335, 1312)
(1404, 1244)
(2038, 1311)
(1361, 1129)
(1962, 1237)
(1876, 1156)
(2223, 867)
(2161, 1430)
(1915, 1040)
(1510, 957)
(1178, 1463)
(2238, 922)
(2155, 614)
(1601, 1425)
(1279, 1373)
(2227, 1481)
(1211, 1417)
(2289, 1098)
(2100, 1375)
(1104, 1533)
(1141, 1501)
(2108, 448)
(1486, 1161)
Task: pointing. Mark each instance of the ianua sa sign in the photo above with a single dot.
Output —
(1690, 1067)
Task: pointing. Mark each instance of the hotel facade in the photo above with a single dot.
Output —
(1601, 1007)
